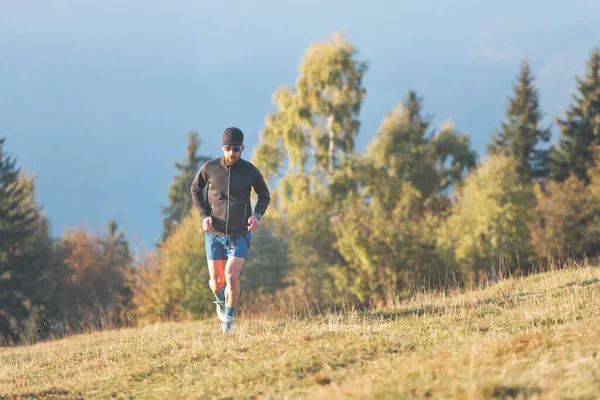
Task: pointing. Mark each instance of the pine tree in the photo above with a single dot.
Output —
(580, 129)
(120, 262)
(521, 132)
(21, 228)
(180, 202)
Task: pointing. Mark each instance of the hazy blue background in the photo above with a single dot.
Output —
(96, 98)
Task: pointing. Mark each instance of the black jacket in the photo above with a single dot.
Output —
(227, 198)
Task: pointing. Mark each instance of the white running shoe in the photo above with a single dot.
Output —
(220, 303)
(227, 323)
(220, 309)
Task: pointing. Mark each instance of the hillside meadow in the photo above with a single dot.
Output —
(533, 337)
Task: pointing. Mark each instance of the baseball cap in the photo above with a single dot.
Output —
(233, 137)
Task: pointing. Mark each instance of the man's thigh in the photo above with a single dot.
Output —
(239, 247)
(233, 267)
(216, 270)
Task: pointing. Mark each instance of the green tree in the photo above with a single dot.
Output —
(304, 144)
(23, 253)
(330, 94)
(521, 133)
(489, 221)
(266, 269)
(315, 125)
(384, 244)
(120, 262)
(180, 202)
(580, 129)
(432, 162)
(395, 192)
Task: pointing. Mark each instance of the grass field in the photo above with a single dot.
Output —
(536, 337)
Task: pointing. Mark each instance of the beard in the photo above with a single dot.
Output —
(232, 160)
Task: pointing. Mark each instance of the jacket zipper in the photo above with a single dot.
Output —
(228, 183)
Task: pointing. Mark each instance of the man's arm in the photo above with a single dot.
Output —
(198, 200)
(264, 196)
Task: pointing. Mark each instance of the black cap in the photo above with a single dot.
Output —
(233, 136)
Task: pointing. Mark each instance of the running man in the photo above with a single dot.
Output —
(228, 219)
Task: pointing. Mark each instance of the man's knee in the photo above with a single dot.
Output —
(232, 276)
(216, 286)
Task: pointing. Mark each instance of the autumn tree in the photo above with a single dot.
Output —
(101, 279)
(385, 232)
(566, 222)
(173, 282)
(489, 221)
(316, 122)
(306, 140)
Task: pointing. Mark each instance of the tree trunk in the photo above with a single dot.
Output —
(331, 142)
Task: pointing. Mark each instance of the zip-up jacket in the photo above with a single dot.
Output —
(227, 195)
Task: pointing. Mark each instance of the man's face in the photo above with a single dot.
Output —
(232, 153)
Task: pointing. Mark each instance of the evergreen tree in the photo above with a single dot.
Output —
(21, 228)
(180, 201)
(521, 132)
(120, 261)
(580, 129)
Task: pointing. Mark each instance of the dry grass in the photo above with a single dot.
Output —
(537, 337)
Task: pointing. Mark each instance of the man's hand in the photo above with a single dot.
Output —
(207, 224)
(253, 223)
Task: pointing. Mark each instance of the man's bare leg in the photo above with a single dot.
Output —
(216, 270)
(233, 267)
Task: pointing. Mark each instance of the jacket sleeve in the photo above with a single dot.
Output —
(198, 199)
(264, 196)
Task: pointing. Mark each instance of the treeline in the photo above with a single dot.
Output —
(418, 208)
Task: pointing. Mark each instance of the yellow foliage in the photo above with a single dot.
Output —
(565, 225)
(101, 276)
(177, 285)
(490, 217)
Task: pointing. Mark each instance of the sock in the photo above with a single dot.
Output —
(229, 311)
(221, 295)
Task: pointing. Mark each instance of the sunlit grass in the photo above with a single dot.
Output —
(536, 337)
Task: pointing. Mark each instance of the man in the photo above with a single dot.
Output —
(227, 218)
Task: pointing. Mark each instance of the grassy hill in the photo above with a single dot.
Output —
(536, 337)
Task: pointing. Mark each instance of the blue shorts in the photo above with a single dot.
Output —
(222, 247)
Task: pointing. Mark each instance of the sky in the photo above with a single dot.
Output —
(96, 98)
